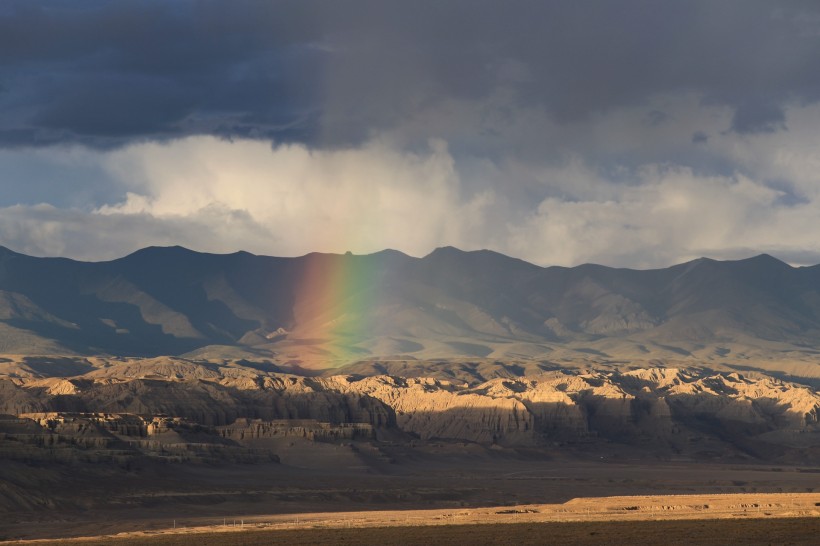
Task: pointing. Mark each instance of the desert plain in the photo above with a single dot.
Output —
(749, 518)
(315, 455)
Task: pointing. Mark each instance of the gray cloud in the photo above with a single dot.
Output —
(63, 176)
(555, 131)
(699, 137)
(103, 73)
(758, 117)
(331, 74)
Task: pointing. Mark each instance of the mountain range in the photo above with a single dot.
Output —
(328, 310)
(330, 370)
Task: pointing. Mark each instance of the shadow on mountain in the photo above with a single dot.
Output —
(471, 373)
(783, 376)
(459, 304)
(55, 366)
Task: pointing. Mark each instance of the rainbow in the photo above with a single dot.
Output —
(333, 302)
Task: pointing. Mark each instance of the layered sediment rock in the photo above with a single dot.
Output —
(246, 429)
(243, 402)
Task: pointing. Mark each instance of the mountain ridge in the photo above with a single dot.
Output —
(323, 310)
(391, 251)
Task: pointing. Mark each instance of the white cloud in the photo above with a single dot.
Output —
(670, 216)
(221, 196)
(43, 230)
(361, 200)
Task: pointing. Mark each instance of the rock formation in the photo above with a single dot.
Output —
(657, 407)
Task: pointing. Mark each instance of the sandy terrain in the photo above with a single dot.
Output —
(775, 506)
(454, 480)
(717, 532)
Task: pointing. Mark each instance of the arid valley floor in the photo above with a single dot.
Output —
(169, 450)
(747, 518)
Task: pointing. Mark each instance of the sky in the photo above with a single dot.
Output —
(627, 133)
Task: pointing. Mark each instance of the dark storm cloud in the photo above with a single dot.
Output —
(699, 137)
(120, 70)
(576, 58)
(758, 117)
(116, 105)
(333, 73)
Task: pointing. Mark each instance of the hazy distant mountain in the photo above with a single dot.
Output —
(320, 310)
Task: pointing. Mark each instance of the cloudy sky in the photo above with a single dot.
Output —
(628, 133)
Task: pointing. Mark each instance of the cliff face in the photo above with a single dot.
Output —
(666, 406)
(431, 408)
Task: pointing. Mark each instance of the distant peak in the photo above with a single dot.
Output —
(445, 251)
(6, 252)
(156, 249)
(764, 258)
(161, 252)
(389, 252)
(698, 261)
(453, 251)
(758, 259)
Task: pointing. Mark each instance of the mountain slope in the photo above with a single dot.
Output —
(322, 310)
